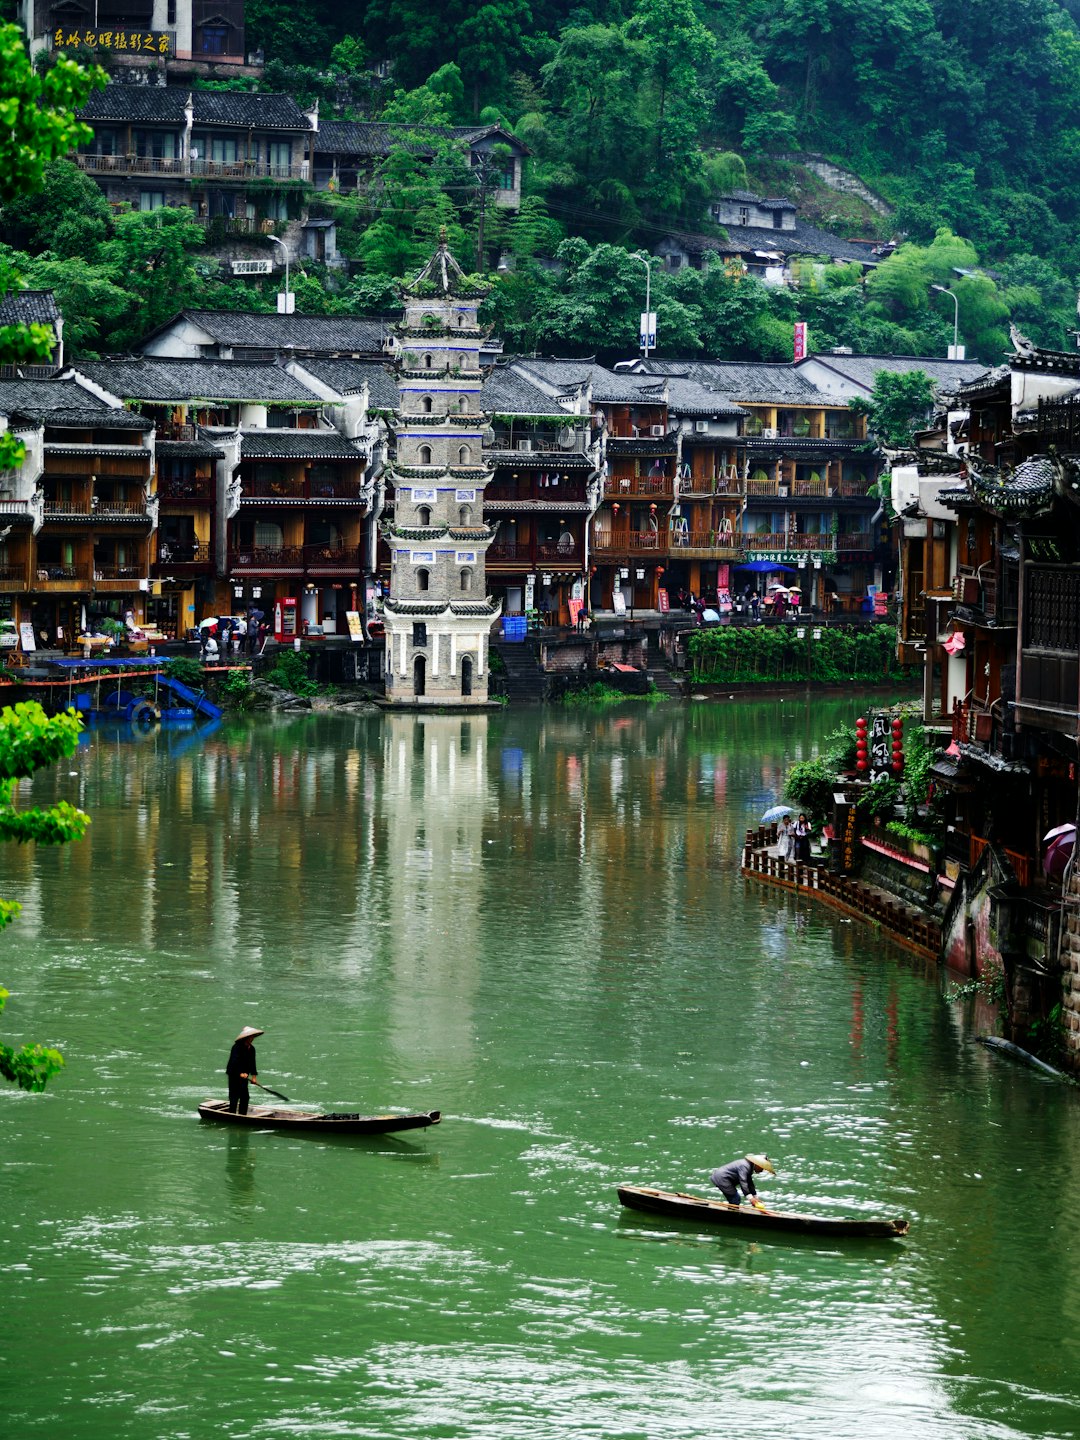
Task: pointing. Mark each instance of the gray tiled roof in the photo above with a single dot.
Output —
(752, 381)
(864, 369)
(691, 397)
(29, 307)
(31, 396)
(297, 445)
(506, 392)
(164, 104)
(608, 387)
(373, 138)
(354, 334)
(348, 377)
(750, 239)
(214, 380)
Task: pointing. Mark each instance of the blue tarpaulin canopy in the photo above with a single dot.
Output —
(763, 566)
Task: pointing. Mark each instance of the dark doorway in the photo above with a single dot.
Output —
(420, 675)
(466, 675)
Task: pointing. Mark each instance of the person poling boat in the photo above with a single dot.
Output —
(738, 1176)
(241, 1068)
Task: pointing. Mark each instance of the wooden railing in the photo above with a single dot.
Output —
(62, 577)
(1022, 864)
(194, 552)
(705, 540)
(67, 507)
(13, 577)
(329, 559)
(262, 557)
(629, 485)
(174, 487)
(337, 489)
(182, 165)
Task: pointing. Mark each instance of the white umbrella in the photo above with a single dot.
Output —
(1058, 830)
(775, 585)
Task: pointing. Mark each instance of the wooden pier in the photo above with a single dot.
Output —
(911, 928)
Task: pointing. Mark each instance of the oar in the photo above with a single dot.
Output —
(278, 1093)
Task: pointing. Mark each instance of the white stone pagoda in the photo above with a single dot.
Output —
(438, 614)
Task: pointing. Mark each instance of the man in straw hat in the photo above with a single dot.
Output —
(241, 1068)
(739, 1176)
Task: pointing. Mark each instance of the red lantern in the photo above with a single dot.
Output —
(898, 765)
(615, 508)
(860, 724)
(860, 764)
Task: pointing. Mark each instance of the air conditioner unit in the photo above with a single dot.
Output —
(701, 426)
(770, 433)
(524, 444)
(656, 430)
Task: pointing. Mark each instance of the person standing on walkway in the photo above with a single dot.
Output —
(242, 1068)
(739, 1176)
(802, 830)
(785, 839)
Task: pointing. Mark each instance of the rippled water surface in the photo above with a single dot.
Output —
(535, 923)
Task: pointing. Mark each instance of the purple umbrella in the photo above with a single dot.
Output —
(1059, 852)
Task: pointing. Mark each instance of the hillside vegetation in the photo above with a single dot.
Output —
(963, 115)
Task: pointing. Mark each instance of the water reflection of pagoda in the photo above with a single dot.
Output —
(433, 804)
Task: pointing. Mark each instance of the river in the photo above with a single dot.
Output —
(534, 922)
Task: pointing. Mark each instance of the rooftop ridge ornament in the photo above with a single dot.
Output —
(442, 275)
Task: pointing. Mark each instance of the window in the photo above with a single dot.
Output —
(425, 454)
(744, 215)
(466, 581)
(465, 515)
(423, 515)
(151, 199)
(427, 362)
(171, 21)
(464, 455)
(777, 219)
(423, 580)
(222, 147)
(426, 404)
(212, 39)
(419, 634)
(505, 180)
(463, 406)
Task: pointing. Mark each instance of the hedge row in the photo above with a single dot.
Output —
(748, 654)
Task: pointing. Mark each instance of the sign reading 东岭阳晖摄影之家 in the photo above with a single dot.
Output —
(131, 42)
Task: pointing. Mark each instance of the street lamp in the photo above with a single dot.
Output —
(646, 260)
(954, 349)
(285, 308)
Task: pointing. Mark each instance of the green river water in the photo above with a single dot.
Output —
(534, 922)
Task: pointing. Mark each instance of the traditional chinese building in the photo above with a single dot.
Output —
(438, 614)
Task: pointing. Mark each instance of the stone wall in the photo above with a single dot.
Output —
(1070, 973)
(842, 181)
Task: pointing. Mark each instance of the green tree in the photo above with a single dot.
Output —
(30, 741)
(69, 215)
(900, 403)
(37, 125)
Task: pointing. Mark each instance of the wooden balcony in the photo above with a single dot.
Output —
(118, 579)
(630, 542)
(620, 487)
(103, 508)
(73, 509)
(262, 560)
(184, 168)
(290, 491)
(183, 558)
(331, 560)
(811, 489)
(536, 553)
(14, 577)
(720, 544)
(764, 489)
(172, 488)
(59, 578)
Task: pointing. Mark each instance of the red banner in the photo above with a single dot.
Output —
(800, 340)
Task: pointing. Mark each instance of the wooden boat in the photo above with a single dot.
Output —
(273, 1117)
(697, 1209)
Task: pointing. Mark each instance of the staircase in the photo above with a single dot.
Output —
(663, 679)
(525, 681)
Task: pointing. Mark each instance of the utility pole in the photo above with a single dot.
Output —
(481, 174)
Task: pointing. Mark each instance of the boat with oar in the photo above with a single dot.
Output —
(270, 1117)
(695, 1208)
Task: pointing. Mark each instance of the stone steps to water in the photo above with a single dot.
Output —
(665, 682)
(525, 681)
